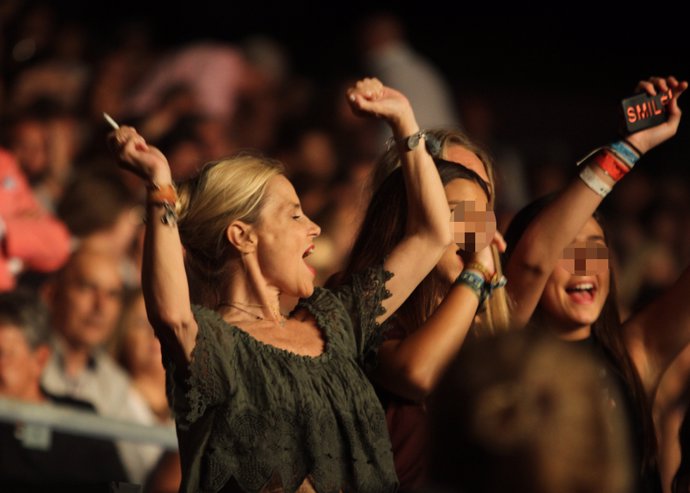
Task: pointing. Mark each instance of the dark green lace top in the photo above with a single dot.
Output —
(246, 411)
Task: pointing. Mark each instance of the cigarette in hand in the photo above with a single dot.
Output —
(110, 121)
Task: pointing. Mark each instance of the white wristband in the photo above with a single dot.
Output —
(594, 182)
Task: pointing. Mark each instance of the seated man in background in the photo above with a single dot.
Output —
(86, 299)
(33, 454)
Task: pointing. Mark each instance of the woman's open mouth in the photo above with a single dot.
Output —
(581, 293)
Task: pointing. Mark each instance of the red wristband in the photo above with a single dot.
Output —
(610, 165)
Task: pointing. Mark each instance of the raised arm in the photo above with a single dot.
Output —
(411, 366)
(659, 332)
(540, 247)
(427, 231)
(164, 280)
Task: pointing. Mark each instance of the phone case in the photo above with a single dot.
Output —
(644, 111)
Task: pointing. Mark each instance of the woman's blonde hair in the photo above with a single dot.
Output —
(222, 192)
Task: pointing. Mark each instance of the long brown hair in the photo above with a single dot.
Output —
(384, 226)
(607, 330)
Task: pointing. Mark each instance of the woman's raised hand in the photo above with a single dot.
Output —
(369, 97)
(646, 139)
(137, 156)
(485, 256)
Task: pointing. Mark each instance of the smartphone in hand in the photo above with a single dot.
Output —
(643, 111)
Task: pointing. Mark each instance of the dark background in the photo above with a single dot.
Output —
(551, 73)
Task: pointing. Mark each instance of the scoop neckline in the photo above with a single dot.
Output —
(303, 303)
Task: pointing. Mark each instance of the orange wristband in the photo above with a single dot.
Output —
(610, 165)
(162, 195)
(167, 197)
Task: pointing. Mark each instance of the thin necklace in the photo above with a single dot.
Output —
(256, 317)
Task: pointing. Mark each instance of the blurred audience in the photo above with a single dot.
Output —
(31, 239)
(86, 299)
(137, 349)
(207, 99)
(388, 56)
(33, 455)
(103, 216)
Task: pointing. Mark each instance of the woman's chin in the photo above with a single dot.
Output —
(307, 292)
(303, 291)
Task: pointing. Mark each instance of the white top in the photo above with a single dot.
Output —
(105, 385)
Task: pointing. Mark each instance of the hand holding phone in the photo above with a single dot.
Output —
(644, 111)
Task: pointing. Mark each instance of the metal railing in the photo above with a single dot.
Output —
(69, 420)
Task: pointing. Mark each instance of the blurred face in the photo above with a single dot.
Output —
(472, 225)
(87, 302)
(141, 345)
(472, 228)
(118, 239)
(285, 238)
(575, 293)
(20, 366)
(30, 147)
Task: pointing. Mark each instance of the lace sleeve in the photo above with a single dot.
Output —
(205, 382)
(362, 298)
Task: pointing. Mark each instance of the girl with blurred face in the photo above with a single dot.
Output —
(560, 279)
(431, 325)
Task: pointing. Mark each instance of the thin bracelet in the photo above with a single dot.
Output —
(481, 268)
(633, 147)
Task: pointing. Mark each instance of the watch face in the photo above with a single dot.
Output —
(413, 140)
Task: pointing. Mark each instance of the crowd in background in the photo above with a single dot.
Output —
(79, 218)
